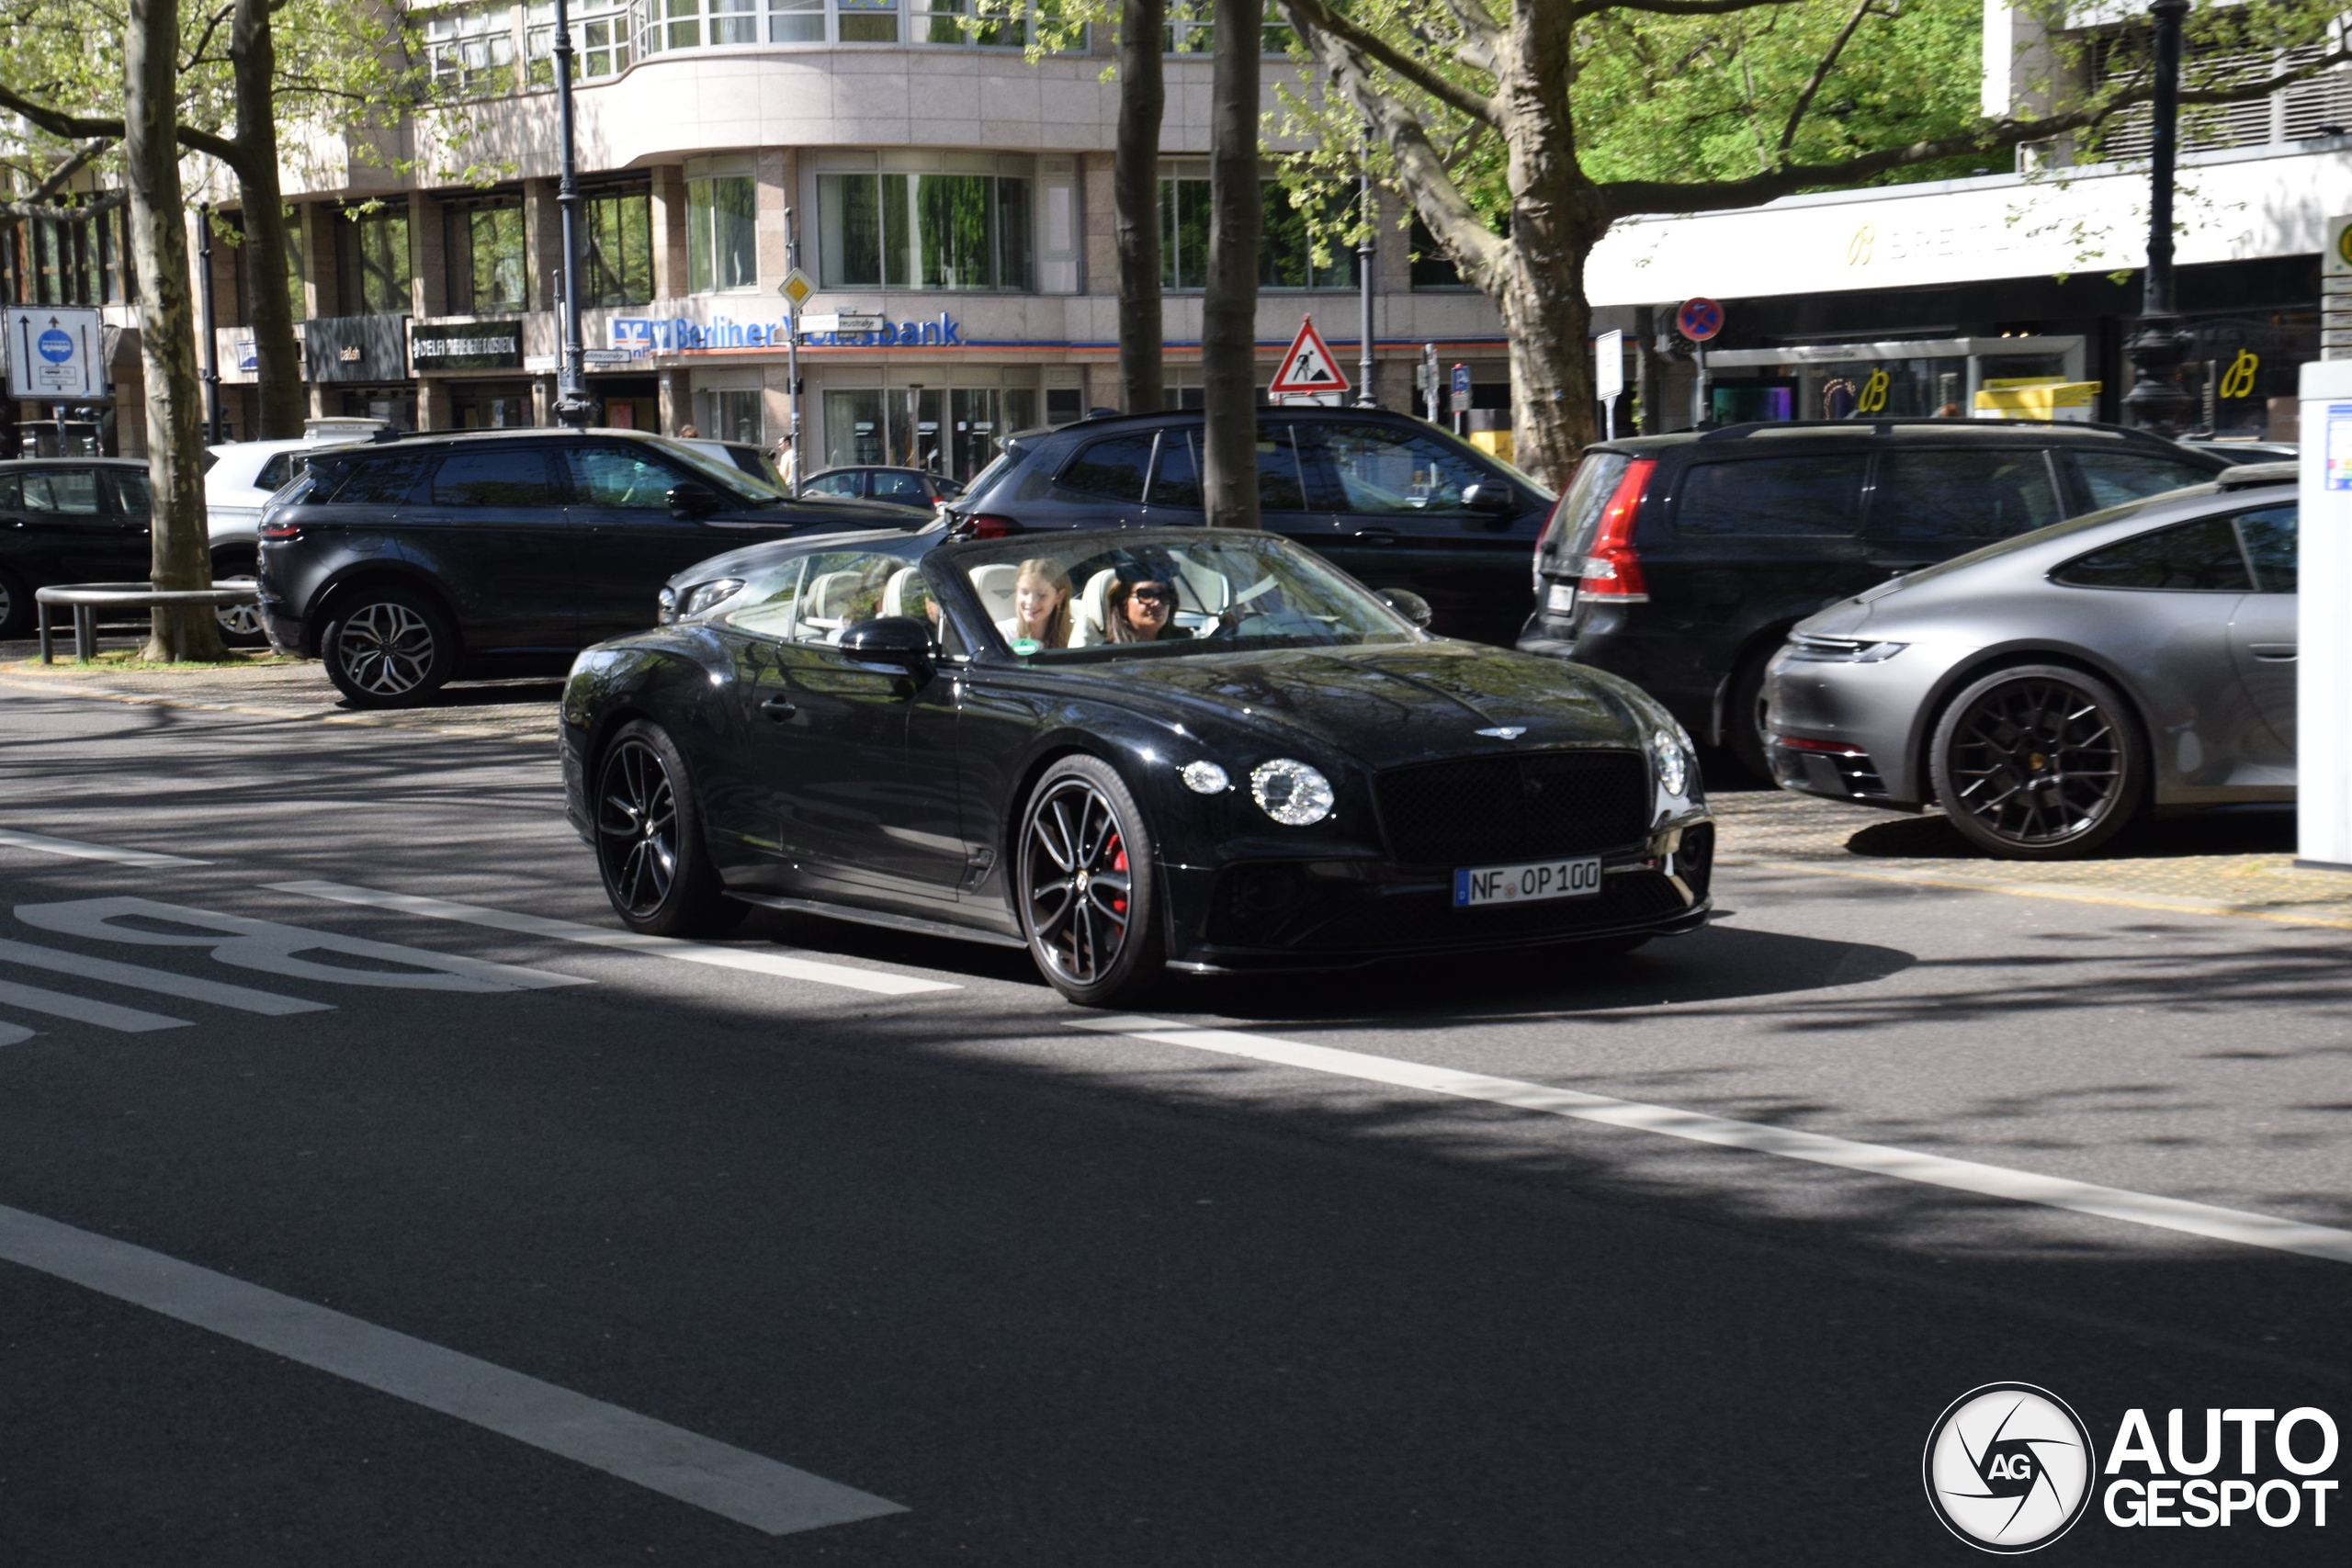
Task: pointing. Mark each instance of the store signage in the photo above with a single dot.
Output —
(466, 345)
(355, 348)
(676, 334)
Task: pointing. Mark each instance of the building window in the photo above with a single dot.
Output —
(1192, 29)
(617, 224)
(869, 21)
(471, 52)
(799, 21)
(938, 231)
(988, 24)
(600, 41)
(371, 260)
(728, 414)
(483, 242)
(1286, 245)
(1433, 268)
(722, 250)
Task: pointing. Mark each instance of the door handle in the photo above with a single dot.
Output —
(779, 708)
(2273, 652)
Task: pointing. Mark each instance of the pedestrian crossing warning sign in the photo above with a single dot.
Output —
(1309, 369)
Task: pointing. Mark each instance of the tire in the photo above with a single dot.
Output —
(240, 624)
(16, 607)
(1088, 886)
(388, 647)
(1744, 717)
(2038, 762)
(650, 852)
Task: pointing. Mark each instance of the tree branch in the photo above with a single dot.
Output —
(195, 54)
(57, 122)
(1583, 8)
(1820, 75)
(1367, 48)
(1484, 33)
(1477, 250)
(13, 211)
(59, 176)
(1629, 199)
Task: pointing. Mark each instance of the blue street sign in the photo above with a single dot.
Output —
(55, 346)
(1462, 381)
(1699, 318)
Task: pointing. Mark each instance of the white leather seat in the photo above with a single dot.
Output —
(825, 605)
(1092, 616)
(894, 592)
(995, 583)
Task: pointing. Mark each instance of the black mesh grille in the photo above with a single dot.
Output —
(1513, 808)
(1694, 863)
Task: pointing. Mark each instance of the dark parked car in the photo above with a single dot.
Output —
(69, 520)
(918, 487)
(1282, 772)
(1389, 499)
(1681, 561)
(405, 563)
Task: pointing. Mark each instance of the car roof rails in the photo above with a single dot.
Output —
(1931, 421)
(2246, 476)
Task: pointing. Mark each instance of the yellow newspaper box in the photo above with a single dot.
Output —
(2037, 398)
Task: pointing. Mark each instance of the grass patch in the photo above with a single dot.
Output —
(120, 659)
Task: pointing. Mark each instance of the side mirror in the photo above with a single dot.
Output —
(692, 498)
(1407, 603)
(900, 640)
(1493, 499)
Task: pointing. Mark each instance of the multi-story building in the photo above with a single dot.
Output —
(928, 172)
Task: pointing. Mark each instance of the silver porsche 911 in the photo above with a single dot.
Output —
(2048, 689)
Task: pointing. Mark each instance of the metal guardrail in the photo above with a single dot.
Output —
(86, 599)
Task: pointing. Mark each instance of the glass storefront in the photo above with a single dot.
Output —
(489, 405)
(1926, 379)
(951, 431)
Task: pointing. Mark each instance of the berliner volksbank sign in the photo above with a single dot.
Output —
(678, 335)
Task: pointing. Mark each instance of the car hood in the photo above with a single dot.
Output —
(1383, 706)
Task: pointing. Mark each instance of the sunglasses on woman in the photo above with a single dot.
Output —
(1152, 595)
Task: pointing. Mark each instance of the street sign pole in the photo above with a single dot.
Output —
(1461, 396)
(1432, 389)
(1698, 320)
(573, 406)
(792, 356)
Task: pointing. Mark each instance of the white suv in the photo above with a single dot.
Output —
(243, 475)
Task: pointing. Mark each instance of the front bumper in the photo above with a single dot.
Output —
(1264, 915)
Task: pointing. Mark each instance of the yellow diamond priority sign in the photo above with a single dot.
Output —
(797, 287)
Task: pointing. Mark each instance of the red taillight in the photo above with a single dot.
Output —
(1803, 743)
(279, 532)
(1613, 569)
(988, 525)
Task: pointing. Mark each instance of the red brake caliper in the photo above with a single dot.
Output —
(1118, 864)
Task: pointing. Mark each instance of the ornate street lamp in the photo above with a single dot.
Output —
(573, 405)
(2157, 401)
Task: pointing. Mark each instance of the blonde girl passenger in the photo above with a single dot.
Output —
(1041, 595)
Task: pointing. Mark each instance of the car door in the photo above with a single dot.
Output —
(627, 541)
(2262, 627)
(72, 533)
(849, 762)
(488, 524)
(1400, 521)
(1929, 504)
(134, 509)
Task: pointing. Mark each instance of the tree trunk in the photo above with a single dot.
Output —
(167, 335)
(1135, 201)
(1549, 322)
(1229, 308)
(253, 54)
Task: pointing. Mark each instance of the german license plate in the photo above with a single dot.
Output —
(1475, 886)
(1560, 599)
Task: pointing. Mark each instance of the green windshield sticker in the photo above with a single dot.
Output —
(1025, 646)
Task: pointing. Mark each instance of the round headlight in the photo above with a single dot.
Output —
(1673, 762)
(1203, 778)
(1290, 792)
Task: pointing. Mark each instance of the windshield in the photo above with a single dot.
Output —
(726, 475)
(1207, 591)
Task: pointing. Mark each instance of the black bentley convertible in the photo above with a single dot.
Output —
(1127, 751)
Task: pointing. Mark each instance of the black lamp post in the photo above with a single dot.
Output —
(2157, 401)
(1367, 213)
(573, 405)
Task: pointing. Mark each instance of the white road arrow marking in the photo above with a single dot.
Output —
(139, 978)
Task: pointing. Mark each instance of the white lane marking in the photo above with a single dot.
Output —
(881, 981)
(692, 1469)
(139, 978)
(265, 945)
(43, 845)
(83, 1009)
(12, 1034)
(1877, 1159)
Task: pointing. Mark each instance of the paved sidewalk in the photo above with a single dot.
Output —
(2235, 864)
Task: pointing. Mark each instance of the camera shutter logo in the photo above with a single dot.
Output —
(2009, 1468)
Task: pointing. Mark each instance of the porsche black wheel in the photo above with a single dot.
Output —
(1087, 889)
(2039, 762)
(649, 840)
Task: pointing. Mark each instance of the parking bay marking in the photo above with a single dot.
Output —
(730, 1482)
(74, 848)
(882, 982)
(1876, 1159)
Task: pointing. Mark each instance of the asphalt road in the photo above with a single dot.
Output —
(830, 1245)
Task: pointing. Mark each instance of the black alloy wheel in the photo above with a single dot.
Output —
(16, 607)
(1087, 887)
(2039, 762)
(649, 840)
(388, 647)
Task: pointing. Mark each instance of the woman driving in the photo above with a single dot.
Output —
(1142, 612)
(1041, 595)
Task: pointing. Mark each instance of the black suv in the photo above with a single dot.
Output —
(408, 562)
(1681, 561)
(1395, 502)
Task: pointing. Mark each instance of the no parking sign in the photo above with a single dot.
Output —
(1699, 318)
